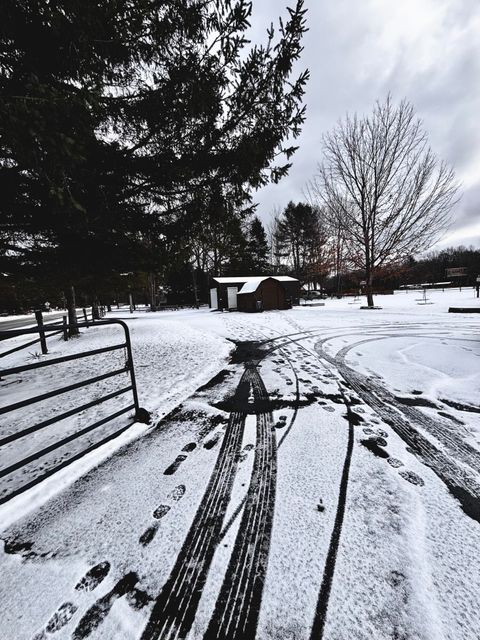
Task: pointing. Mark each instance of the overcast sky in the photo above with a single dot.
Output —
(427, 51)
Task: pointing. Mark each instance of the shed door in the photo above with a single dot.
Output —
(232, 297)
(213, 298)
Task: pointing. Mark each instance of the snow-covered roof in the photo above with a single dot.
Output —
(251, 286)
(285, 279)
(235, 279)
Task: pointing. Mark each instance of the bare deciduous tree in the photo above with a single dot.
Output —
(383, 187)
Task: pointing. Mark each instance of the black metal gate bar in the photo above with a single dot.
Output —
(129, 364)
(63, 464)
(46, 423)
(56, 445)
(141, 415)
(57, 392)
(14, 333)
(73, 356)
(5, 335)
(25, 345)
(132, 375)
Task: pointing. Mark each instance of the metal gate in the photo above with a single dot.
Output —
(140, 415)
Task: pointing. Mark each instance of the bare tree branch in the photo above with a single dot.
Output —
(383, 187)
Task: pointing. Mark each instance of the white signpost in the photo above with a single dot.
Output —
(457, 272)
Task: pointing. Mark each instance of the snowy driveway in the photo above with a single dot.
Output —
(325, 484)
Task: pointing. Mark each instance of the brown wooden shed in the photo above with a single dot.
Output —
(262, 295)
(225, 292)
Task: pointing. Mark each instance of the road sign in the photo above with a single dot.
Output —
(363, 283)
(456, 272)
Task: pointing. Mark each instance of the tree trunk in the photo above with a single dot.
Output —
(72, 312)
(195, 288)
(369, 289)
(152, 289)
(95, 308)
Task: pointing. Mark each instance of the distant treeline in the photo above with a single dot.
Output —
(189, 284)
(427, 270)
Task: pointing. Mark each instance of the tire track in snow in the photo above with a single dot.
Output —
(296, 406)
(437, 428)
(461, 482)
(463, 486)
(329, 570)
(175, 607)
(232, 626)
(238, 605)
(321, 609)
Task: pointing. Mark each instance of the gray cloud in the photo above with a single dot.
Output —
(427, 51)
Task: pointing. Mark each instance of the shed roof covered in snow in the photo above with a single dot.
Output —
(251, 286)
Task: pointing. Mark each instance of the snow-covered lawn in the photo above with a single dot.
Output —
(348, 503)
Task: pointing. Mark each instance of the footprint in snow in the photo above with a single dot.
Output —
(212, 442)
(395, 463)
(61, 617)
(161, 511)
(65, 612)
(368, 431)
(412, 477)
(328, 408)
(137, 599)
(148, 535)
(93, 577)
(174, 466)
(177, 493)
(396, 578)
(101, 608)
(189, 447)
(375, 447)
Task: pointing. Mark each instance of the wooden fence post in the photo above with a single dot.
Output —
(41, 331)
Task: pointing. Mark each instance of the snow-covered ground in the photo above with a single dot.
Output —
(171, 360)
(325, 484)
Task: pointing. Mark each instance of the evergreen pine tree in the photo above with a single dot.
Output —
(117, 118)
(258, 248)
